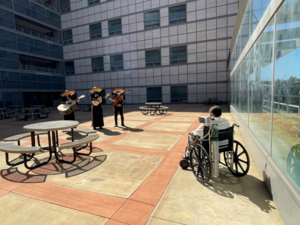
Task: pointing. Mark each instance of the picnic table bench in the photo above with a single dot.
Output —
(9, 147)
(154, 108)
(85, 108)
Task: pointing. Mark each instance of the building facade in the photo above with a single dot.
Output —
(169, 51)
(31, 56)
(265, 87)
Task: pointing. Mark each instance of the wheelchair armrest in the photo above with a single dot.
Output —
(236, 125)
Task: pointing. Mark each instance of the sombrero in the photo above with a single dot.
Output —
(68, 92)
(98, 89)
(118, 89)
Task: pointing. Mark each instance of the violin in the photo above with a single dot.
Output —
(115, 100)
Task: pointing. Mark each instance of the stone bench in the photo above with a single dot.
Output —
(10, 147)
(19, 137)
(73, 145)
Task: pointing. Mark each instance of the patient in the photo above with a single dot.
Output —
(223, 123)
(215, 112)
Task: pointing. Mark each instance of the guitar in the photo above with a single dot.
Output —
(115, 100)
(69, 107)
(97, 101)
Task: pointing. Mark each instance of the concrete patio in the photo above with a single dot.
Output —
(132, 177)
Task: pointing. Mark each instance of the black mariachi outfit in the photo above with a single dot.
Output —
(70, 116)
(119, 109)
(97, 112)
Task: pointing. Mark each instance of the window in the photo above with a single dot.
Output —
(115, 27)
(96, 31)
(177, 14)
(69, 67)
(116, 62)
(154, 94)
(152, 19)
(153, 58)
(97, 64)
(65, 6)
(179, 94)
(67, 37)
(93, 2)
(178, 55)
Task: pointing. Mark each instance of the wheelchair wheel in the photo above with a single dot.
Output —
(241, 162)
(200, 164)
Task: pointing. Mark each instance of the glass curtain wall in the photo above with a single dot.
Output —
(266, 89)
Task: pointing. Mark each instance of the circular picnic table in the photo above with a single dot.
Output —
(53, 127)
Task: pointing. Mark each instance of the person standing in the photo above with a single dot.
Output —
(67, 97)
(97, 109)
(118, 100)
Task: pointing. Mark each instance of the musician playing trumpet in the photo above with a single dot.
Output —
(68, 97)
(97, 109)
(118, 95)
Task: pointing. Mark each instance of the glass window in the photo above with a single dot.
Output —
(27, 76)
(11, 84)
(37, 12)
(8, 39)
(6, 3)
(57, 79)
(177, 14)
(260, 86)
(43, 78)
(65, 6)
(97, 64)
(96, 31)
(116, 62)
(286, 105)
(29, 85)
(93, 2)
(9, 75)
(7, 19)
(115, 27)
(154, 94)
(44, 85)
(178, 55)
(69, 67)
(153, 58)
(152, 19)
(57, 86)
(67, 36)
(179, 94)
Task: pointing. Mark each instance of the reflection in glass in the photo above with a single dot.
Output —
(286, 119)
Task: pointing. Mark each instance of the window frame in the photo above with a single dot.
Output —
(179, 60)
(148, 27)
(180, 100)
(69, 41)
(114, 33)
(95, 36)
(95, 70)
(177, 20)
(94, 2)
(69, 72)
(154, 99)
(117, 68)
(152, 62)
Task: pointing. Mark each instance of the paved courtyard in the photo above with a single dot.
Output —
(132, 177)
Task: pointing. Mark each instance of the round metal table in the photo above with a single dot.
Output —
(53, 127)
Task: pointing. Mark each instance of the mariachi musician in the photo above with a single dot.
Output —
(118, 95)
(97, 109)
(66, 97)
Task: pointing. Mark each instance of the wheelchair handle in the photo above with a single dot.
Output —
(236, 125)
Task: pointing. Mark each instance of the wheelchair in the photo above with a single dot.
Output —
(205, 164)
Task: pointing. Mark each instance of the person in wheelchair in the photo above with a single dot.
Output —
(223, 123)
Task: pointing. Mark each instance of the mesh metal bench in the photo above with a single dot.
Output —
(9, 147)
(78, 143)
(85, 131)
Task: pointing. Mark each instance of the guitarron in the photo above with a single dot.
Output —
(66, 109)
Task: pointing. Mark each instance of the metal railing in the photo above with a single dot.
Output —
(283, 104)
(37, 68)
(46, 5)
(36, 34)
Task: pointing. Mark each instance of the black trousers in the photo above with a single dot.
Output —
(119, 110)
